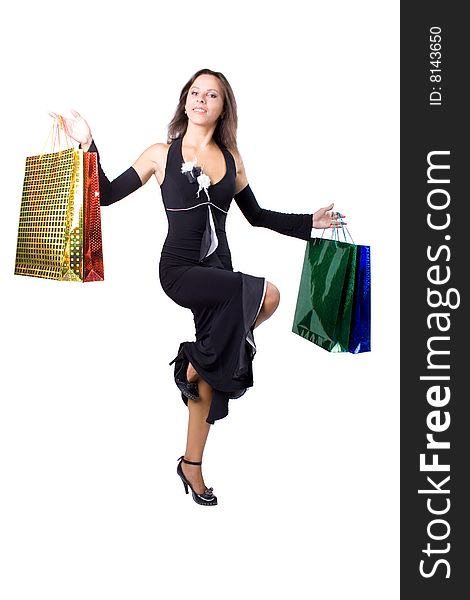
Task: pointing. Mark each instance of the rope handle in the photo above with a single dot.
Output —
(343, 227)
(53, 137)
(335, 234)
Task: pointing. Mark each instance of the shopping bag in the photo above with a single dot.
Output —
(359, 340)
(59, 232)
(326, 292)
(93, 268)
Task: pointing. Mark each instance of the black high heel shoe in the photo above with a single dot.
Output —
(190, 390)
(207, 497)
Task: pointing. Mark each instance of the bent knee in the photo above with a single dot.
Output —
(272, 297)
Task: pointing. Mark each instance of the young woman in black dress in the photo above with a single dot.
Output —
(199, 172)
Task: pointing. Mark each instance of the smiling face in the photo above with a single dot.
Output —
(205, 100)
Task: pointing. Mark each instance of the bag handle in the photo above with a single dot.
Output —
(343, 227)
(335, 233)
(54, 136)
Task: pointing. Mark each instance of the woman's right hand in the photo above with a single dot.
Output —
(77, 128)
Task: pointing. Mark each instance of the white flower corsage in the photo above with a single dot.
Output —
(194, 173)
(204, 183)
(189, 169)
(188, 166)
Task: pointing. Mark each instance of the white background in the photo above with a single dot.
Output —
(305, 466)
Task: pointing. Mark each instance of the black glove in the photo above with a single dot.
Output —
(295, 225)
(122, 186)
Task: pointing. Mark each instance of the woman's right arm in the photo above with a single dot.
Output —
(118, 188)
(126, 183)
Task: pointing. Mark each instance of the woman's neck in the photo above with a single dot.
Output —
(198, 137)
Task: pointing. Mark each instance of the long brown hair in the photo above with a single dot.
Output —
(226, 129)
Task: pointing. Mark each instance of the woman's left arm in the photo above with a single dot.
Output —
(292, 224)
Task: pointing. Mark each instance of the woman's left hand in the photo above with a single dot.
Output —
(325, 218)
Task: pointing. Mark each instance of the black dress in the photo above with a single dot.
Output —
(196, 270)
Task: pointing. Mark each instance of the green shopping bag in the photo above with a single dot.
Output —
(326, 291)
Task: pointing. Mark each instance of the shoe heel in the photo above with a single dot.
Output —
(207, 497)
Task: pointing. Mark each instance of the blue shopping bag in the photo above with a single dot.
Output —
(359, 336)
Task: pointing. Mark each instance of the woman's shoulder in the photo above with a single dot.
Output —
(237, 159)
(152, 160)
(157, 153)
(159, 148)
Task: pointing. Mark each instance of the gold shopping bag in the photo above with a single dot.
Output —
(59, 232)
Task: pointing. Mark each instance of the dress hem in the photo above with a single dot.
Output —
(251, 296)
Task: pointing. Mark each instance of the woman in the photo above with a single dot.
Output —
(199, 171)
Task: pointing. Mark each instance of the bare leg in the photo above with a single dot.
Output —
(198, 430)
(191, 374)
(270, 304)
